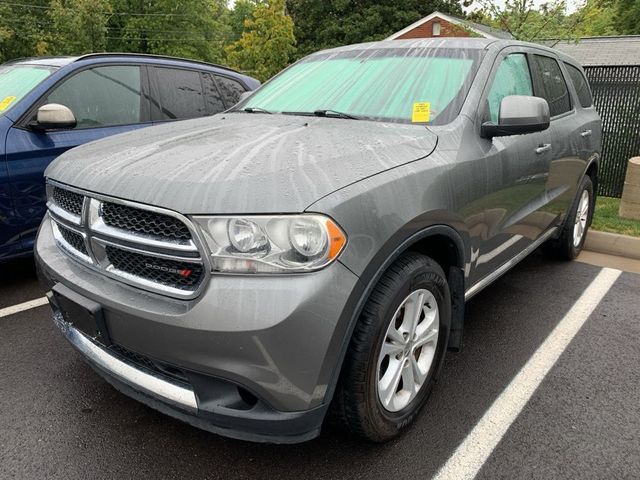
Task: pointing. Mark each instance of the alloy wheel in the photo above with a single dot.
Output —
(582, 216)
(408, 350)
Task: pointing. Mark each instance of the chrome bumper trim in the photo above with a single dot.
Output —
(123, 371)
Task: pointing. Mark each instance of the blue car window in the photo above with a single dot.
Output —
(102, 96)
(18, 80)
(181, 94)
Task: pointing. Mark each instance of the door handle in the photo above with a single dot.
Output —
(585, 134)
(543, 148)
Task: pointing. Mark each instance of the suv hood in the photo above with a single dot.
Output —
(240, 162)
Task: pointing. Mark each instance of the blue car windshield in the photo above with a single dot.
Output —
(18, 80)
(408, 85)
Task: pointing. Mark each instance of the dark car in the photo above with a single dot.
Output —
(315, 245)
(49, 105)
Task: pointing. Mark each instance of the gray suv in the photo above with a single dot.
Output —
(312, 249)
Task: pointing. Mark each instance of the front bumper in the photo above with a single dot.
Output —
(276, 339)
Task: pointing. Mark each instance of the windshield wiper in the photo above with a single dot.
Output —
(334, 113)
(324, 113)
(255, 110)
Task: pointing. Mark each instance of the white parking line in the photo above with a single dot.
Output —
(21, 307)
(472, 453)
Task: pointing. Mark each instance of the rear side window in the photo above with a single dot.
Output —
(581, 85)
(102, 96)
(180, 93)
(230, 90)
(553, 84)
(512, 78)
(213, 97)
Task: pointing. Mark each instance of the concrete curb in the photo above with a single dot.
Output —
(613, 244)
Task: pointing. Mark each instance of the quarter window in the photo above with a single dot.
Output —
(180, 93)
(553, 84)
(581, 85)
(102, 96)
(230, 90)
(512, 78)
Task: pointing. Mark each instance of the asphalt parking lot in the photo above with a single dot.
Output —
(58, 419)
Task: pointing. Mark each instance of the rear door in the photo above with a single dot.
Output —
(181, 93)
(105, 99)
(566, 126)
(590, 139)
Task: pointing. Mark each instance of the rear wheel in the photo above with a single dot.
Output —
(396, 349)
(574, 231)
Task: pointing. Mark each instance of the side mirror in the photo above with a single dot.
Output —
(54, 116)
(519, 114)
(245, 95)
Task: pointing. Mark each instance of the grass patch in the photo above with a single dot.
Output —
(606, 218)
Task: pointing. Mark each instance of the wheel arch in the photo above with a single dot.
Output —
(450, 255)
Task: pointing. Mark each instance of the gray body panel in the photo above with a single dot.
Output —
(284, 336)
(239, 162)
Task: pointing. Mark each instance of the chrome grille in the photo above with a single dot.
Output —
(147, 247)
(174, 274)
(144, 222)
(67, 200)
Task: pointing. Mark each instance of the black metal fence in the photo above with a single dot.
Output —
(616, 95)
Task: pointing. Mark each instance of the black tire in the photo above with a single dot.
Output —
(564, 246)
(356, 403)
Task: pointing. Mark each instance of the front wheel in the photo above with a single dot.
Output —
(396, 349)
(574, 231)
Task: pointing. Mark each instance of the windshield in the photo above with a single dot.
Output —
(18, 80)
(408, 85)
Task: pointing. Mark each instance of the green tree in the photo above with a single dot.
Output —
(79, 26)
(267, 44)
(596, 18)
(23, 29)
(627, 17)
(330, 23)
(185, 28)
(242, 11)
(525, 21)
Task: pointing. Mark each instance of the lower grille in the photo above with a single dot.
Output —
(74, 239)
(175, 274)
(145, 362)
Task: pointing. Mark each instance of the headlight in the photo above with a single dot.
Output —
(271, 244)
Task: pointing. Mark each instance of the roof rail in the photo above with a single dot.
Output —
(149, 55)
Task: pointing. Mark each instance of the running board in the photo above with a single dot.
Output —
(492, 277)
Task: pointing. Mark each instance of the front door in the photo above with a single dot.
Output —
(505, 220)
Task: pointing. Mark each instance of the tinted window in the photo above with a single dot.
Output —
(581, 85)
(213, 98)
(512, 78)
(102, 96)
(230, 90)
(180, 93)
(555, 89)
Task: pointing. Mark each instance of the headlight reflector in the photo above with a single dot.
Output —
(271, 244)
(307, 236)
(246, 236)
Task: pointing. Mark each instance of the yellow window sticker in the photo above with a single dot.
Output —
(421, 112)
(4, 104)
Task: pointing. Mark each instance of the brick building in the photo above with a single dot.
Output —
(441, 25)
